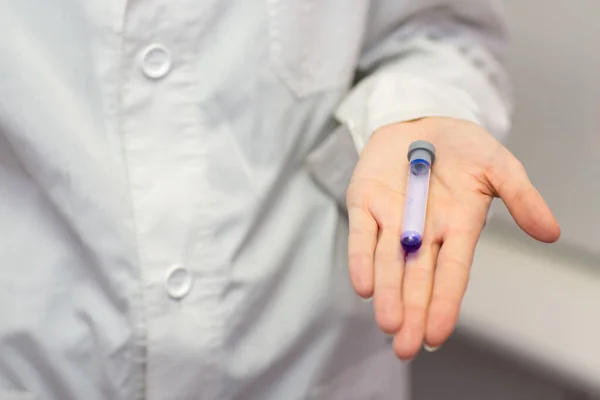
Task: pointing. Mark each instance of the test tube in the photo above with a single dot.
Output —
(421, 155)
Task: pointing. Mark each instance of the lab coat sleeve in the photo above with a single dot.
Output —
(432, 58)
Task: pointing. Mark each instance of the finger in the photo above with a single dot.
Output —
(416, 294)
(450, 283)
(361, 247)
(389, 261)
(523, 201)
(389, 266)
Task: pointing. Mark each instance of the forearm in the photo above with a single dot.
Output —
(444, 59)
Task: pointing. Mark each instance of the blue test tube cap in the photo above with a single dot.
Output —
(421, 150)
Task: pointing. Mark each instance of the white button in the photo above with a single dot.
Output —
(156, 61)
(178, 281)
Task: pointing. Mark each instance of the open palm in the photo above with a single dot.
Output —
(417, 298)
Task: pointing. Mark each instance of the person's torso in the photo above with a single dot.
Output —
(161, 236)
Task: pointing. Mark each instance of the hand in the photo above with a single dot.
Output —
(418, 299)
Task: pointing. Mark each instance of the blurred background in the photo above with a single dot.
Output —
(530, 324)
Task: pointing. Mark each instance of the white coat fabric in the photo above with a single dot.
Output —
(172, 178)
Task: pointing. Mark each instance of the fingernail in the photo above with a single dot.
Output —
(430, 348)
(367, 300)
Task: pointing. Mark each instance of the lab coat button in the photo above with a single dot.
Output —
(156, 61)
(178, 282)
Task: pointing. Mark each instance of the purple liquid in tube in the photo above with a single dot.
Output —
(421, 155)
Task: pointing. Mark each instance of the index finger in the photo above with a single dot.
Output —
(450, 284)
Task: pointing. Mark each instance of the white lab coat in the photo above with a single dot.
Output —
(172, 179)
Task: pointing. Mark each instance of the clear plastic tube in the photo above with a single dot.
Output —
(415, 207)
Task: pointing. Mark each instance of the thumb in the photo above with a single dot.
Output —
(527, 207)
